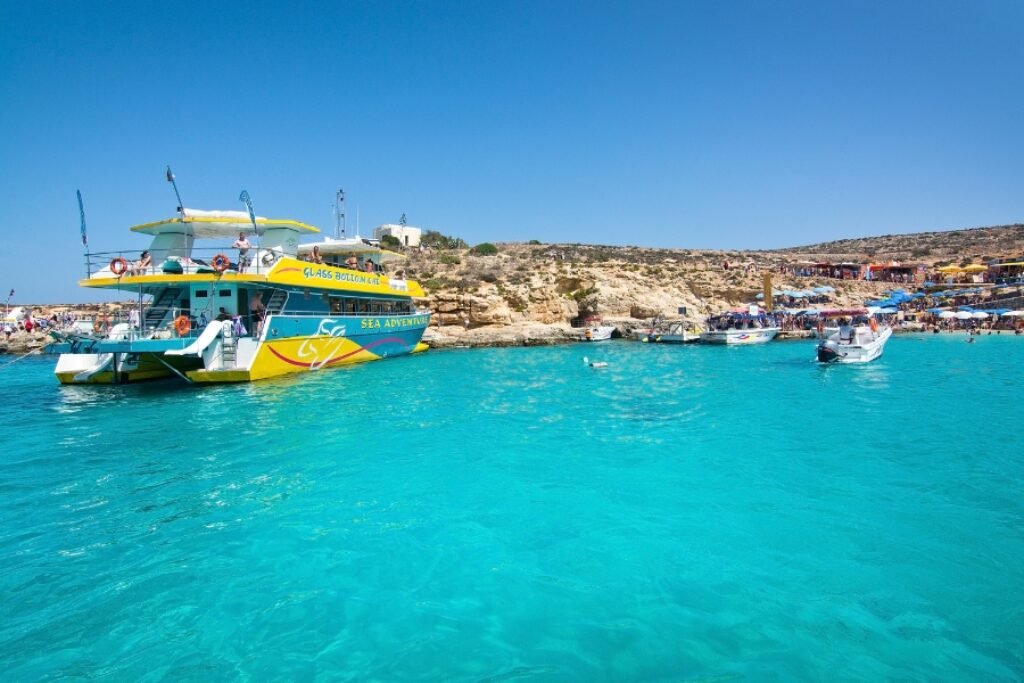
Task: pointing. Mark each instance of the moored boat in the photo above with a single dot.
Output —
(668, 332)
(594, 330)
(207, 318)
(739, 328)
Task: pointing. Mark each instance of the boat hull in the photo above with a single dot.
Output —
(739, 337)
(287, 345)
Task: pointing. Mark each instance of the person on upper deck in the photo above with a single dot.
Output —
(370, 268)
(314, 256)
(140, 266)
(352, 262)
(242, 245)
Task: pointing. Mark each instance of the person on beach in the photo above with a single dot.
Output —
(243, 246)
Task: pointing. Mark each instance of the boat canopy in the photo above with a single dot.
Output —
(352, 245)
(218, 225)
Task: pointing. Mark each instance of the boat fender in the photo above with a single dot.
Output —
(118, 266)
(182, 326)
(220, 263)
(874, 325)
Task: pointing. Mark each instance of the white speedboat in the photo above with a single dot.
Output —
(597, 333)
(854, 343)
(593, 329)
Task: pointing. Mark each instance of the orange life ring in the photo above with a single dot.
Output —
(118, 266)
(221, 263)
(874, 325)
(182, 326)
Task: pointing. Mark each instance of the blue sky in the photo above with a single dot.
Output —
(676, 124)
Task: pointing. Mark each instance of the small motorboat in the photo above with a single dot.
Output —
(859, 339)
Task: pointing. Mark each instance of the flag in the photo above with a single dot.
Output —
(11, 294)
(81, 212)
(170, 176)
(244, 198)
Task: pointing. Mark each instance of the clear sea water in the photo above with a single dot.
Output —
(687, 514)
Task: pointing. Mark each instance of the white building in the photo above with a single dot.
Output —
(406, 234)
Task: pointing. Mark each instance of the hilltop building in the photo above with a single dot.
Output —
(406, 234)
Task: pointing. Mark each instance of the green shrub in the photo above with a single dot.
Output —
(484, 249)
(450, 259)
(391, 242)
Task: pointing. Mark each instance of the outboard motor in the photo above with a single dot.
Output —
(828, 352)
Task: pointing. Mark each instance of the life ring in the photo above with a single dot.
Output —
(182, 325)
(118, 266)
(874, 325)
(220, 263)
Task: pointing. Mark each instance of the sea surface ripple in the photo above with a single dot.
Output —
(685, 514)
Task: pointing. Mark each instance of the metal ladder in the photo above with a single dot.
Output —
(229, 351)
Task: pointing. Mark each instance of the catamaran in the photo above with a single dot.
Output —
(206, 317)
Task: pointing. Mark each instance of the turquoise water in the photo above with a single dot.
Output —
(687, 514)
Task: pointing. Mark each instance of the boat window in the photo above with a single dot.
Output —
(201, 294)
(224, 292)
(335, 305)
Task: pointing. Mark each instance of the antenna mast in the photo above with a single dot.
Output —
(339, 214)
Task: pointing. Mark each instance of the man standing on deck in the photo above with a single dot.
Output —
(242, 244)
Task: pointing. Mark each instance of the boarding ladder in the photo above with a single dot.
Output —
(229, 351)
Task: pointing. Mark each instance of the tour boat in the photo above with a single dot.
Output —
(738, 329)
(858, 340)
(205, 316)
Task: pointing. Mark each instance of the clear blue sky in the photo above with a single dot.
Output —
(676, 124)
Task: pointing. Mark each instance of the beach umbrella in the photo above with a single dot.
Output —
(974, 268)
(1014, 314)
(962, 315)
(980, 315)
(945, 315)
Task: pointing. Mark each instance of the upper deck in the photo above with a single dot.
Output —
(273, 257)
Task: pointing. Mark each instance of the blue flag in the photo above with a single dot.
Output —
(81, 212)
(244, 198)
